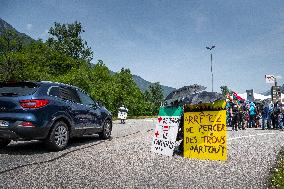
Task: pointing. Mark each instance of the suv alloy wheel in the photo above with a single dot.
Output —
(58, 137)
(105, 134)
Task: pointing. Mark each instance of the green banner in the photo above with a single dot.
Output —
(170, 111)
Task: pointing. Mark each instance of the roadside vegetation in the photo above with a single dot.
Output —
(65, 57)
(277, 178)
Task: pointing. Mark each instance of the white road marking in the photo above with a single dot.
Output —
(249, 136)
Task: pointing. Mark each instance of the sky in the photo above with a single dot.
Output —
(165, 40)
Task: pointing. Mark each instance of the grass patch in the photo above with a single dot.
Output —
(277, 178)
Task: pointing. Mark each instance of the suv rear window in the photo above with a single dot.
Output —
(65, 93)
(18, 89)
(69, 94)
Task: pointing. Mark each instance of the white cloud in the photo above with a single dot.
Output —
(29, 27)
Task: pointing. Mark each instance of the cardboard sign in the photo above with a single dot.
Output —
(205, 135)
(166, 130)
(165, 138)
(122, 115)
(168, 120)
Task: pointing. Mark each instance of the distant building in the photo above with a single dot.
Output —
(250, 95)
(276, 93)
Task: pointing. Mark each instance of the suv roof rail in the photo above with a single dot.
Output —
(61, 84)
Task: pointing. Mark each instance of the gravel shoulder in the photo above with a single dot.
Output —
(126, 162)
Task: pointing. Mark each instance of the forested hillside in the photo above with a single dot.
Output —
(66, 57)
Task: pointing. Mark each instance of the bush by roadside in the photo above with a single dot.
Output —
(277, 178)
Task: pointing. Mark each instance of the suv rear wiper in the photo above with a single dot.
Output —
(9, 94)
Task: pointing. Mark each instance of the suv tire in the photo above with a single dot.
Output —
(59, 136)
(106, 133)
(4, 142)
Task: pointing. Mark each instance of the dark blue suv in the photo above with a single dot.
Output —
(48, 111)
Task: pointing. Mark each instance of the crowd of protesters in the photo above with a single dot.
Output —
(242, 114)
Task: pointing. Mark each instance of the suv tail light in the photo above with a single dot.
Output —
(26, 124)
(31, 104)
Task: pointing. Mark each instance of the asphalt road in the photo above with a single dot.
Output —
(126, 162)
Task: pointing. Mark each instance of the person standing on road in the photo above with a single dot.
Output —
(282, 120)
(265, 116)
(257, 116)
(278, 115)
(252, 114)
(270, 111)
(247, 114)
(229, 113)
(243, 115)
(235, 116)
(274, 116)
(122, 114)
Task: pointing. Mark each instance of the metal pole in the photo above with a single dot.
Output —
(212, 71)
(211, 58)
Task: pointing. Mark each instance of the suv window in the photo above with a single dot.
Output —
(68, 94)
(54, 91)
(85, 99)
(18, 88)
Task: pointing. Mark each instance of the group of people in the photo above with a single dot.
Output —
(243, 114)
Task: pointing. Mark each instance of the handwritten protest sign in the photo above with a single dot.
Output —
(122, 115)
(166, 130)
(205, 135)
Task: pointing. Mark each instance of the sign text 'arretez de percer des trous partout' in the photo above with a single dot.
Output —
(205, 133)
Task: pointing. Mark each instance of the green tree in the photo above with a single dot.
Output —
(65, 58)
(80, 77)
(66, 38)
(225, 90)
(103, 85)
(128, 93)
(154, 95)
(10, 58)
(39, 62)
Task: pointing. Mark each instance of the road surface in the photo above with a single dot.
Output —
(126, 162)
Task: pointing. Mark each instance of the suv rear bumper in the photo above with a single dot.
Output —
(7, 134)
(24, 133)
(14, 130)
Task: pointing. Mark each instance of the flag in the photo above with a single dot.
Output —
(270, 79)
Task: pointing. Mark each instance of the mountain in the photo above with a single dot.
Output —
(144, 85)
(5, 26)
